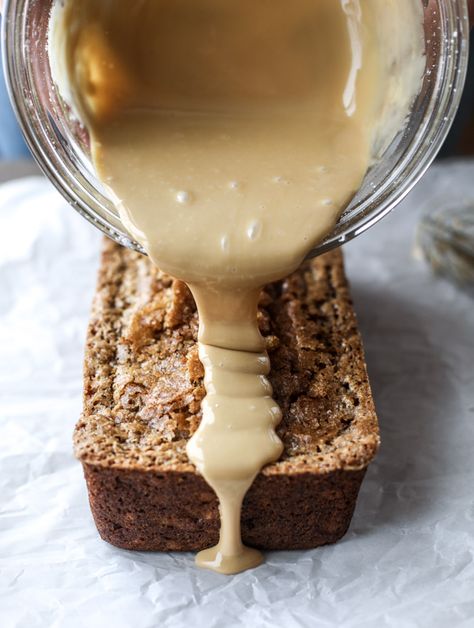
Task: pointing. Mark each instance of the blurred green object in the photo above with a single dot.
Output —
(446, 240)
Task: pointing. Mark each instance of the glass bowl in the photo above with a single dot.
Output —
(61, 147)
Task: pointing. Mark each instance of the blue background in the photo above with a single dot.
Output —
(11, 141)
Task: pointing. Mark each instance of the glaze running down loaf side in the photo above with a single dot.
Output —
(142, 402)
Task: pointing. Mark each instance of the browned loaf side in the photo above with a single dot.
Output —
(142, 397)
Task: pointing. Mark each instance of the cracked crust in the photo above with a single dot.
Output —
(142, 395)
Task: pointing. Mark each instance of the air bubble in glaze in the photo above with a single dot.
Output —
(184, 197)
(254, 230)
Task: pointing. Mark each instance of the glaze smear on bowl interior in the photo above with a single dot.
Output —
(231, 135)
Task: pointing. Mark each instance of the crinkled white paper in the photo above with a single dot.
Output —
(407, 560)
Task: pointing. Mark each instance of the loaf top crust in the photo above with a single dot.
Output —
(143, 378)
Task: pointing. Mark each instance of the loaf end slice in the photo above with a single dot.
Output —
(143, 386)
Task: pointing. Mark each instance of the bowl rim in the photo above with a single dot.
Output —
(415, 161)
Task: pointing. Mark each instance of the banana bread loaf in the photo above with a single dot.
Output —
(142, 396)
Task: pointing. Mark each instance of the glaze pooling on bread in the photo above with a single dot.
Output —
(143, 378)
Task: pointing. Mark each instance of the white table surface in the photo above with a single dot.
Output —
(407, 560)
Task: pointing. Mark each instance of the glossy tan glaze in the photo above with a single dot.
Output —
(231, 135)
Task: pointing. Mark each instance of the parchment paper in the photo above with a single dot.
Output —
(407, 560)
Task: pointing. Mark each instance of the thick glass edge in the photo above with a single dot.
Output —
(13, 17)
(430, 137)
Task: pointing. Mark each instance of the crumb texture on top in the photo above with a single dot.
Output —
(143, 378)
